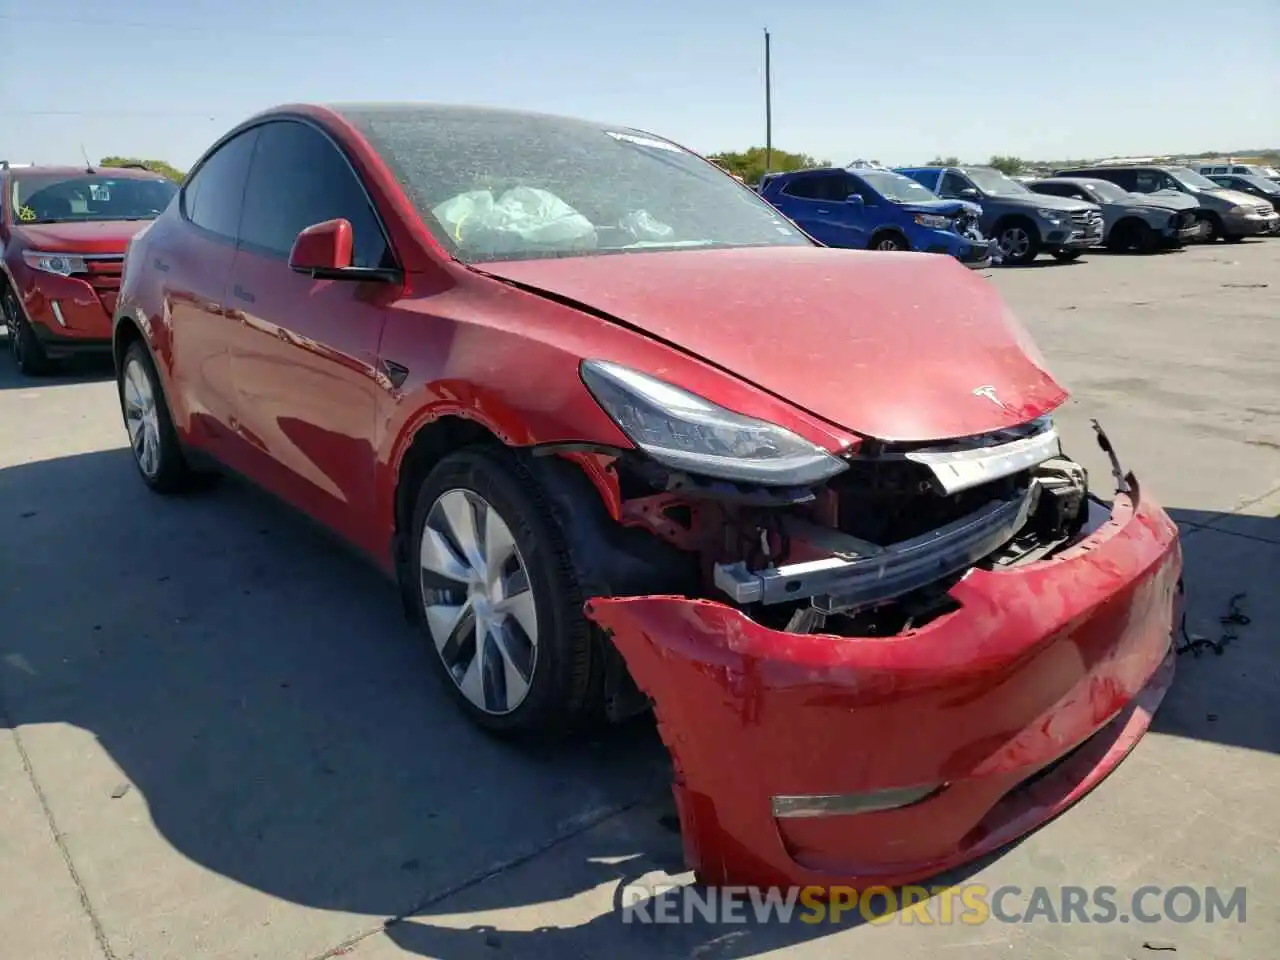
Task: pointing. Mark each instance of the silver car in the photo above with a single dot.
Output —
(1130, 221)
(1228, 214)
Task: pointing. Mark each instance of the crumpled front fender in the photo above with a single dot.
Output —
(1006, 710)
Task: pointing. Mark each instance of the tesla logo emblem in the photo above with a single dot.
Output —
(988, 392)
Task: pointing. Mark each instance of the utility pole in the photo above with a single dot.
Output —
(768, 107)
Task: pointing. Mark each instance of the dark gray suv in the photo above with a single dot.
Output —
(1022, 223)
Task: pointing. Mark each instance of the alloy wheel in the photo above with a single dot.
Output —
(11, 325)
(483, 621)
(141, 418)
(1014, 242)
(889, 243)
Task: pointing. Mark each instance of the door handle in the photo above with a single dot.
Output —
(242, 294)
(823, 210)
(160, 265)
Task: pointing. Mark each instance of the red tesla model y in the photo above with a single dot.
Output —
(624, 435)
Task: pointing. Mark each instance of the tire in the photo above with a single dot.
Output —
(541, 646)
(1120, 238)
(1232, 237)
(1215, 227)
(1067, 256)
(889, 242)
(157, 452)
(1019, 241)
(25, 347)
(1145, 239)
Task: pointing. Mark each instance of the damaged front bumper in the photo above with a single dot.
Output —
(815, 759)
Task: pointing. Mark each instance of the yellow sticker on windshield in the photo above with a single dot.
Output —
(26, 213)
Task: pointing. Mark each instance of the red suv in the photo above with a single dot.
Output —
(64, 231)
(611, 421)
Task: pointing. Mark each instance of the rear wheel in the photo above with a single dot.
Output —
(1019, 242)
(24, 346)
(498, 597)
(889, 241)
(152, 438)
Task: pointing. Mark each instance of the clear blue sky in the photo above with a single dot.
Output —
(894, 81)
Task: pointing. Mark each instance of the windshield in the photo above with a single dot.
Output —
(500, 185)
(1107, 192)
(994, 182)
(894, 186)
(1268, 187)
(58, 198)
(1189, 178)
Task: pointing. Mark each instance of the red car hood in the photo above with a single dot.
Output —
(906, 347)
(99, 236)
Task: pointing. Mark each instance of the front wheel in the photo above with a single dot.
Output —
(1067, 256)
(1019, 243)
(1146, 239)
(1215, 228)
(889, 242)
(498, 596)
(24, 346)
(152, 438)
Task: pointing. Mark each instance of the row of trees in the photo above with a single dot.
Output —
(155, 166)
(750, 164)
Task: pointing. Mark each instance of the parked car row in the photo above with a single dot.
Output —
(954, 210)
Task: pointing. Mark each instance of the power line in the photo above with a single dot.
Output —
(243, 29)
(112, 113)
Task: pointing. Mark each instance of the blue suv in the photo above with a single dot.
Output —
(872, 209)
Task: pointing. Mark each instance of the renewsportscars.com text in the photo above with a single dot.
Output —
(969, 904)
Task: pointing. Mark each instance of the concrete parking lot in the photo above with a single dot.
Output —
(218, 737)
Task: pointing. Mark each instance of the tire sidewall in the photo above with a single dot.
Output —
(557, 687)
(26, 348)
(1033, 246)
(171, 472)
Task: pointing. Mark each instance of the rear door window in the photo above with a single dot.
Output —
(829, 187)
(299, 179)
(952, 185)
(1053, 189)
(214, 195)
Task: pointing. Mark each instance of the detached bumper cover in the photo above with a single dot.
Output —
(988, 721)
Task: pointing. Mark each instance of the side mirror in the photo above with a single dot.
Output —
(325, 250)
(322, 248)
(856, 199)
(968, 193)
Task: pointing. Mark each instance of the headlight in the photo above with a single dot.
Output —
(63, 264)
(933, 221)
(1051, 215)
(686, 432)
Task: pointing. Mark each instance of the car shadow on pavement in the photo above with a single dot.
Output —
(1042, 262)
(74, 370)
(260, 688)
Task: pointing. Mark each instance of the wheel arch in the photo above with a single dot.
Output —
(892, 230)
(432, 439)
(124, 332)
(1013, 216)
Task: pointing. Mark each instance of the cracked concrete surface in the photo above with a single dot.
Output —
(218, 738)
